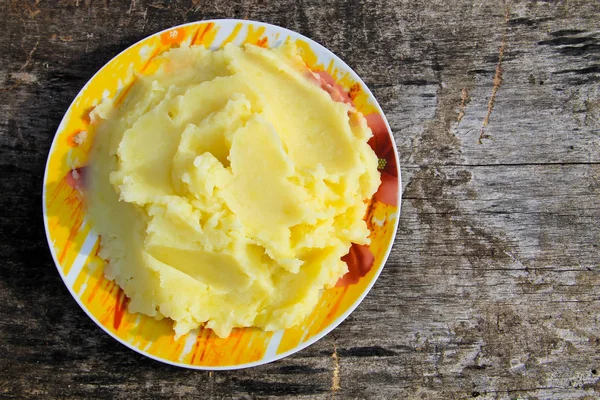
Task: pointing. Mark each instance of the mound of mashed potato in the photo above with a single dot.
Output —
(226, 187)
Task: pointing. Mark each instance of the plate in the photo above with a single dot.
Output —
(74, 244)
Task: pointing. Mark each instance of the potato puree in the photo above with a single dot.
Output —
(226, 187)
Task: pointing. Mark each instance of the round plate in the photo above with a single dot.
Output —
(74, 245)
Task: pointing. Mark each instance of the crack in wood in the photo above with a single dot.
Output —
(497, 77)
(15, 85)
(464, 99)
(335, 376)
(211, 385)
(19, 8)
(30, 54)
(21, 77)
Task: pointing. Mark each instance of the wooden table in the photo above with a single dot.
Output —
(493, 286)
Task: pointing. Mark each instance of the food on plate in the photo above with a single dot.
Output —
(227, 186)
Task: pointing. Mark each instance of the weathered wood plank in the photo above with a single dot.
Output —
(491, 290)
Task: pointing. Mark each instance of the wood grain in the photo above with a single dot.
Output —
(492, 290)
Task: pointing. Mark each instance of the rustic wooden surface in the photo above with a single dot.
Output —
(492, 290)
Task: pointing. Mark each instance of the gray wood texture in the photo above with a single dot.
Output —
(492, 290)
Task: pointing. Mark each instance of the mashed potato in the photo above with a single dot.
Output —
(226, 187)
